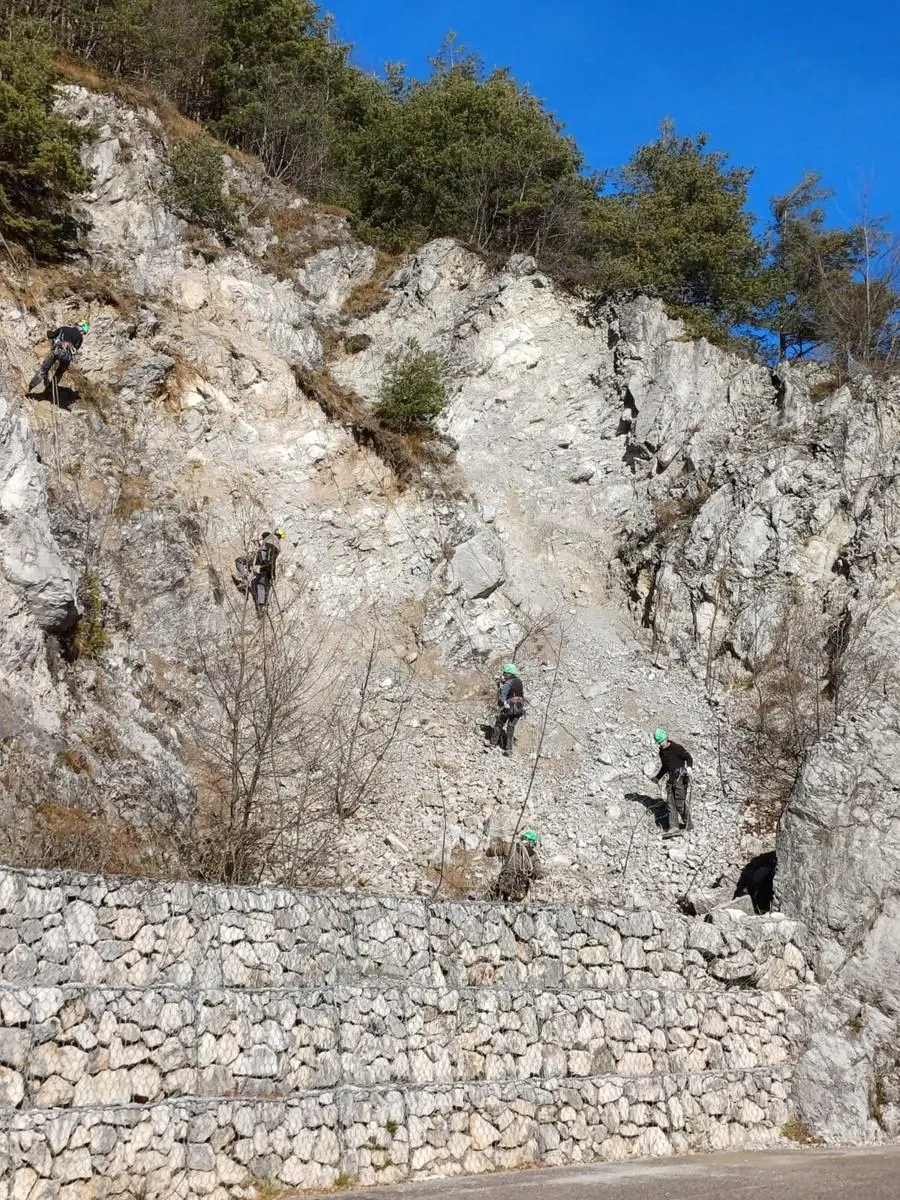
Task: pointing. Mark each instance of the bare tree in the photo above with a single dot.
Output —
(291, 733)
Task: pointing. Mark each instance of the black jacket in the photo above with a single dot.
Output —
(511, 690)
(673, 758)
(67, 333)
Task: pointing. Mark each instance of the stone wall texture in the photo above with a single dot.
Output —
(186, 1040)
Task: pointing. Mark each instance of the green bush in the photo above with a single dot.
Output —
(91, 638)
(196, 188)
(39, 164)
(412, 390)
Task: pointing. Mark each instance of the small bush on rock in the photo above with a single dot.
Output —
(196, 188)
(412, 390)
(91, 638)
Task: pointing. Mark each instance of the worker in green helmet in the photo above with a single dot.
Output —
(520, 866)
(677, 765)
(66, 341)
(510, 707)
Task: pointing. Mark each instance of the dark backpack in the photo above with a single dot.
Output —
(266, 555)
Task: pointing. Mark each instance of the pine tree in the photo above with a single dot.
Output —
(40, 168)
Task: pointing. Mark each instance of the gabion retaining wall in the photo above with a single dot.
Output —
(189, 1040)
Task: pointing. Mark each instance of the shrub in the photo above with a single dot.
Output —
(196, 188)
(90, 636)
(412, 390)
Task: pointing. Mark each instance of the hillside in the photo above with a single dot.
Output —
(658, 532)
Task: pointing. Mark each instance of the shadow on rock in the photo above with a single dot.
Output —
(653, 804)
(757, 880)
(65, 396)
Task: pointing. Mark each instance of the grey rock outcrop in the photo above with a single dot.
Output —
(29, 558)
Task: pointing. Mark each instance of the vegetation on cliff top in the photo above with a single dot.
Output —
(474, 155)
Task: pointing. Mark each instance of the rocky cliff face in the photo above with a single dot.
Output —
(638, 518)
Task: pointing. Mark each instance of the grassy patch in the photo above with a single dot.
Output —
(367, 298)
(343, 407)
(91, 637)
(798, 1131)
(64, 837)
(132, 93)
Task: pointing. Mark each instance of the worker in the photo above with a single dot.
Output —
(677, 765)
(520, 867)
(66, 341)
(510, 708)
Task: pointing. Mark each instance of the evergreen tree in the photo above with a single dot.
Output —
(676, 223)
(40, 167)
(468, 155)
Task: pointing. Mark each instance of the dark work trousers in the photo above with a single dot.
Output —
(677, 801)
(504, 730)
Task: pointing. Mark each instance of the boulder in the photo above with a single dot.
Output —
(477, 566)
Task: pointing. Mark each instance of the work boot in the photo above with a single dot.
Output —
(671, 833)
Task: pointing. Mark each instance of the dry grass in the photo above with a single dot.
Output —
(343, 407)
(76, 761)
(134, 94)
(677, 512)
(301, 229)
(65, 837)
(134, 496)
(798, 1131)
(367, 298)
(84, 286)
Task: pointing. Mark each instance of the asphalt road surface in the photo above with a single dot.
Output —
(870, 1174)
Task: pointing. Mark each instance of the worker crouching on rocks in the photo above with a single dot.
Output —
(677, 766)
(521, 865)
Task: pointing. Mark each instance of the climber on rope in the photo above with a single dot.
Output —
(510, 708)
(678, 767)
(520, 867)
(255, 570)
(66, 342)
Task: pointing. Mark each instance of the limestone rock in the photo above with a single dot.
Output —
(477, 566)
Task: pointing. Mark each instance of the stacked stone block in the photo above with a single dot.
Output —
(189, 1040)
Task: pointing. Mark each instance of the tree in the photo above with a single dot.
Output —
(196, 186)
(803, 258)
(412, 390)
(831, 289)
(675, 222)
(40, 168)
(467, 155)
(289, 738)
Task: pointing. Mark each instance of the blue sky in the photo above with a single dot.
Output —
(782, 87)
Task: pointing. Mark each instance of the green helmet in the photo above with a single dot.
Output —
(84, 326)
(660, 736)
(528, 835)
(509, 669)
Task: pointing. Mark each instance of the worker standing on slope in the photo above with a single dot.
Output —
(677, 765)
(511, 708)
(67, 341)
